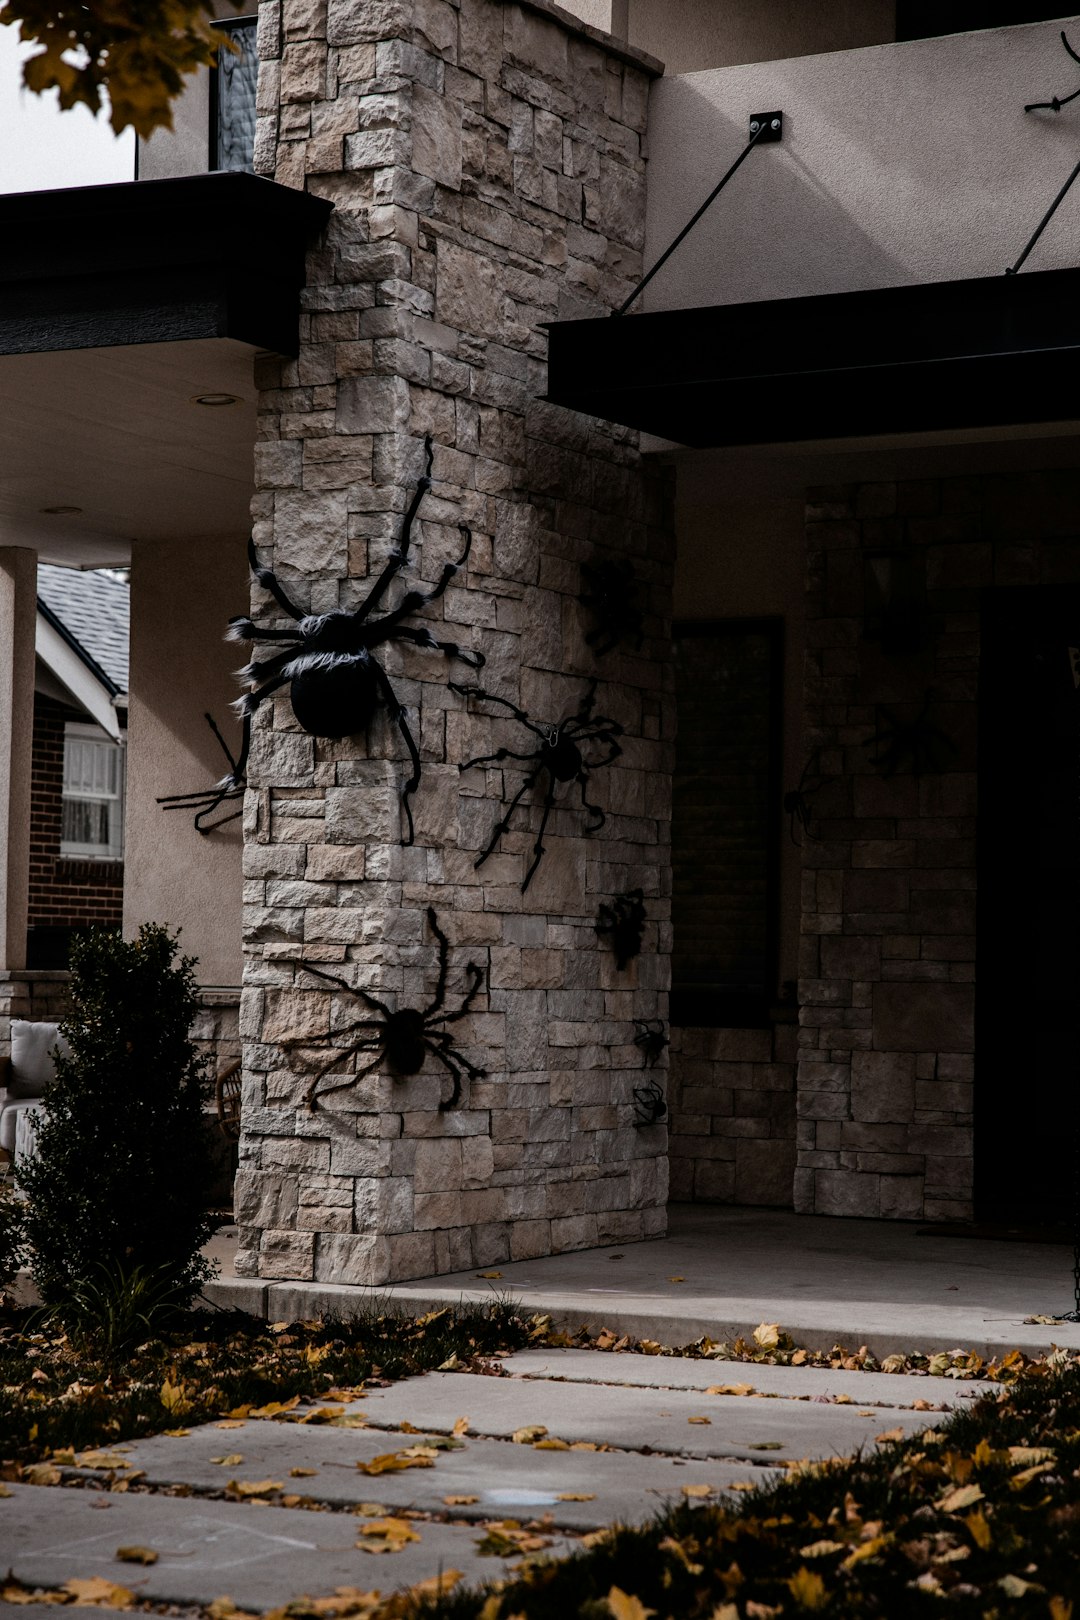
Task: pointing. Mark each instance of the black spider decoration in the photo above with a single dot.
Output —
(1055, 105)
(559, 755)
(624, 922)
(403, 1038)
(651, 1040)
(649, 1105)
(613, 599)
(205, 801)
(914, 747)
(336, 684)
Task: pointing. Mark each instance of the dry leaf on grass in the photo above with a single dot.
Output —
(963, 1496)
(624, 1606)
(697, 1490)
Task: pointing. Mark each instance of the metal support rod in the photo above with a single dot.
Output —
(1044, 222)
(688, 227)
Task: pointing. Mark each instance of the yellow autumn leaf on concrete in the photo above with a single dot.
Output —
(136, 1555)
(253, 1487)
(4, 1491)
(461, 1427)
(436, 1585)
(302, 1473)
(676, 1279)
(98, 1592)
(578, 1496)
(767, 1335)
(393, 1462)
(624, 1606)
(529, 1434)
(730, 1389)
(551, 1445)
(697, 1490)
(699, 1420)
(386, 1535)
(460, 1501)
(808, 1589)
(233, 1460)
(274, 1408)
(489, 1276)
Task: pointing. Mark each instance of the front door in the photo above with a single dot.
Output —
(1027, 1071)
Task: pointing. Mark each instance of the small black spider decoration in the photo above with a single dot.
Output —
(649, 1105)
(206, 801)
(613, 599)
(1055, 105)
(401, 1039)
(624, 922)
(914, 747)
(336, 684)
(651, 1040)
(558, 755)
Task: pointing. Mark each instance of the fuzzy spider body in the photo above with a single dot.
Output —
(329, 661)
(402, 1039)
(559, 755)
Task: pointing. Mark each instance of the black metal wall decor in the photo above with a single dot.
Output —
(913, 747)
(624, 923)
(612, 597)
(649, 1105)
(650, 1040)
(558, 755)
(336, 684)
(206, 800)
(401, 1039)
(1054, 105)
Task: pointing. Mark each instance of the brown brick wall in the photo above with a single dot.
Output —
(63, 893)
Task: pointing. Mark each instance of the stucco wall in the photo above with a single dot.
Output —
(182, 593)
(899, 163)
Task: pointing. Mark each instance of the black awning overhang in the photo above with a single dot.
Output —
(984, 353)
(155, 261)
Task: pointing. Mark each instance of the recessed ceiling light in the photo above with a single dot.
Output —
(60, 511)
(213, 401)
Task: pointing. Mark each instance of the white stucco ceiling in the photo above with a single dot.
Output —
(113, 431)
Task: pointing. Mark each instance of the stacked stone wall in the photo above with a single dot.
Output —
(486, 163)
(886, 1070)
(733, 1122)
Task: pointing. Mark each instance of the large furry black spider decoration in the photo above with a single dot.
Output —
(624, 923)
(206, 800)
(401, 1039)
(336, 684)
(613, 599)
(914, 747)
(650, 1040)
(558, 755)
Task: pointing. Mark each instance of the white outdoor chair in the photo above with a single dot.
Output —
(23, 1078)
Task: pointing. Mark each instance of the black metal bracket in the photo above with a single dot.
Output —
(770, 128)
(773, 127)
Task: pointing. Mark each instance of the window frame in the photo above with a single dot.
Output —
(88, 732)
(716, 1008)
(224, 25)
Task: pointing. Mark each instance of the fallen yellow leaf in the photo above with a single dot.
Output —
(529, 1434)
(489, 1276)
(980, 1529)
(730, 1389)
(676, 1279)
(576, 1496)
(233, 1460)
(136, 1555)
(460, 1501)
(274, 1408)
(302, 1473)
(699, 1420)
(697, 1490)
(436, 1585)
(624, 1606)
(963, 1496)
(461, 1427)
(551, 1445)
(767, 1335)
(387, 1535)
(253, 1487)
(393, 1462)
(99, 1592)
(41, 1474)
(808, 1589)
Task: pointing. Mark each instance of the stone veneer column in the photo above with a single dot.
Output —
(18, 619)
(486, 164)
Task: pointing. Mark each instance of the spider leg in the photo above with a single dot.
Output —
(452, 1070)
(398, 713)
(538, 847)
(206, 800)
(504, 824)
(612, 746)
(312, 1095)
(424, 638)
(444, 1042)
(397, 559)
(256, 674)
(415, 599)
(493, 759)
(251, 700)
(444, 950)
(293, 1041)
(477, 976)
(593, 809)
(518, 714)
(244, 629)
(353, 990)
(269, 582)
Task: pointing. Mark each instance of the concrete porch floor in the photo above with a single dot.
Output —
(721, 1270)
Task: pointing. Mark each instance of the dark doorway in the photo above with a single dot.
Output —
(1028, 945)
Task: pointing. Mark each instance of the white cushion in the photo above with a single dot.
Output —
(9, 1121)
(32, 1047)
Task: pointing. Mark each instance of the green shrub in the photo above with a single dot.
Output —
(12, 1220)
(123, 1170)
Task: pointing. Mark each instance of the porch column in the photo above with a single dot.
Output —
(18, 605)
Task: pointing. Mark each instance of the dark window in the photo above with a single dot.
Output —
(927, 19)
(725, 821)
(232, 104)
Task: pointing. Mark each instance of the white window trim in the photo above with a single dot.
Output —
(80, 731)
